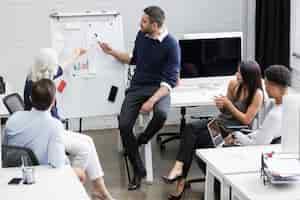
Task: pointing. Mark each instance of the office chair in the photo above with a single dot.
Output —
(12, 156)
(13, 102)
(176, 135)
(172, 135)
(276, 140)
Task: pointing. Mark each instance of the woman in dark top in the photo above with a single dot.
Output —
(239, 107)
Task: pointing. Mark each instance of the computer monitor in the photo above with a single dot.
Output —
(290, 126)
(210, 54)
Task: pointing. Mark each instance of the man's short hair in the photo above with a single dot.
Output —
(43, 94)
(156, 14)
(278, 74)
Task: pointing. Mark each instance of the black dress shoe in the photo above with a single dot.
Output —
(135, 183)
(140, 141)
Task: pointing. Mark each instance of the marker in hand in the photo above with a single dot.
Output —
(97, 38)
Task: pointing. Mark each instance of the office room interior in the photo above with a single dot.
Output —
(213, 41)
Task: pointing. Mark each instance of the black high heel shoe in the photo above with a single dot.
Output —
(174, 197)
(135, 184)
(168, 180)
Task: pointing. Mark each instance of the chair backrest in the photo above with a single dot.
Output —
(276, 140)
(13, 102)
(12, 156)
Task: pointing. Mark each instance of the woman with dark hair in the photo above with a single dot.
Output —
(239, 107)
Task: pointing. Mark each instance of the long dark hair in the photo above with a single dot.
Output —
(251, 75)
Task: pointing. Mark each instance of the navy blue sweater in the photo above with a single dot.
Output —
(155, 61)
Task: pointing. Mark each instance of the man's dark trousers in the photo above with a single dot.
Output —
(134, 99)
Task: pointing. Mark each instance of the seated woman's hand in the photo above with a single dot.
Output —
(222, 102)
(79, 52)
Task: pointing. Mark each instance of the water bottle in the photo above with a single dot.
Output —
(27, 172)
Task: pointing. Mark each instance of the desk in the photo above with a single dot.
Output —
(250, 187)
(51, 184)
(230, 160)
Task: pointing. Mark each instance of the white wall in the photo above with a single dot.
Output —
(295, 43)
(25, 25)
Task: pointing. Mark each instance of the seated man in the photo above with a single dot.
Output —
(36, 129)
(44, 135)
(277, 80)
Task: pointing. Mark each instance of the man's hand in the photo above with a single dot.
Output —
(106, 48)
(230, 139)
(147, 106)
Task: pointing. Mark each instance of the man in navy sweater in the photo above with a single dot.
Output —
(156, 55)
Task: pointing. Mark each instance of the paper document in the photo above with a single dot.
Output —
(283, 167)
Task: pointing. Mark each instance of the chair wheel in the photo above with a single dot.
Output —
(158, 139)
(162, 147)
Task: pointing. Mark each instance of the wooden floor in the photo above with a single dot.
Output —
(115, 174)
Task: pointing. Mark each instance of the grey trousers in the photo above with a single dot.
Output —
(134, 99)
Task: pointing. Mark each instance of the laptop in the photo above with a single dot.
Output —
(215, 133)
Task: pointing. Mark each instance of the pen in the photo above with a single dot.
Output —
(97, 38)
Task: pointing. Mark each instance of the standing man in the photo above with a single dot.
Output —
(156, 55)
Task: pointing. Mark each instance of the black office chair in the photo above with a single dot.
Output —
(276, 140)
(12, 156)
(13, 102)
(170, 136)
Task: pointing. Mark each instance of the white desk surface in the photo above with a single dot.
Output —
(199, 91)
(51, 184)
(250, 186)
(231, 160)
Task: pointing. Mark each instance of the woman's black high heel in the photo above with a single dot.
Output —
(174, 197)
(168, 180)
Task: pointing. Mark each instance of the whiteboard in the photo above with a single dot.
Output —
(89, 79)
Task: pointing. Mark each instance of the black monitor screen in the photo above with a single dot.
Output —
(209, 57)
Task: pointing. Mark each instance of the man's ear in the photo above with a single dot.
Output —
(52, 104)
(154, 26)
